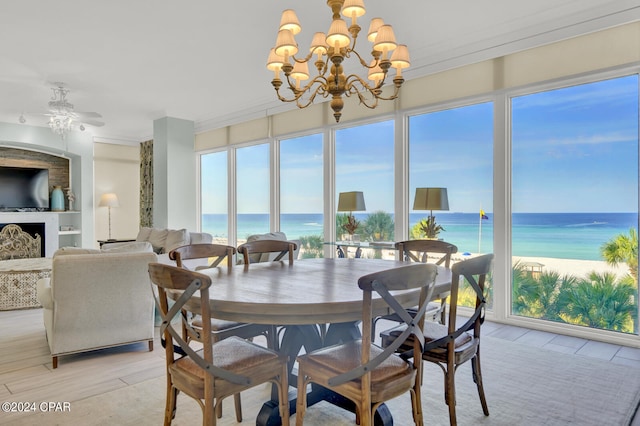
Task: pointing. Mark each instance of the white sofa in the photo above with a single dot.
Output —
(97, 299)
(165, 240)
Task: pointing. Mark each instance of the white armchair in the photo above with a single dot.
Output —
(97, 299)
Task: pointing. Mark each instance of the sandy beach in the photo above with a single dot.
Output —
(578, 268)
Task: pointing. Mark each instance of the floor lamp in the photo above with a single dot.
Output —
(109, 200)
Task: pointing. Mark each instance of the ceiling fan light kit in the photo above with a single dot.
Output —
(62, 116)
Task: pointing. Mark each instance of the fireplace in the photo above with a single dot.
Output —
(23, 241)
(28, 227)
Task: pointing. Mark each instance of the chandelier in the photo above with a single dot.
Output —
(330, 51)
(62, 117)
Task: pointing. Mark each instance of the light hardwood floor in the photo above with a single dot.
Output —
(26, 370)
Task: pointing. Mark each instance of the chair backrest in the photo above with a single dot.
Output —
(407, 277)
(474, 271)
(419, 250)
(186, 284)
(216, 252)
(268, 246)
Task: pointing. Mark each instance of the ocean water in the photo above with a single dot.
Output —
(558, 235)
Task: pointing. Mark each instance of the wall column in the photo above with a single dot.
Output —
(174, 174)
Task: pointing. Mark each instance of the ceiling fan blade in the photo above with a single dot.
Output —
(94, 123)
(87, 114)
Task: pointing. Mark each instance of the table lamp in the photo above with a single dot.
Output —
(109, 200)
(431, 199)
(351, 202)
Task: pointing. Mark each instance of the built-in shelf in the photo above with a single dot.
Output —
(73, 232)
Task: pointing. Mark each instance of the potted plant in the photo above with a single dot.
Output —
(351, 225)
(430, 227)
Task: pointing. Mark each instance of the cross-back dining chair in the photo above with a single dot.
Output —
(257, 248)
(363, 372)
(430, 251)
(450, 346)
(281, 247)
(217, 370)
(426, 251)
(213, 255)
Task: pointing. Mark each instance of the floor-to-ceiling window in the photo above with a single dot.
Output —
(453, 149)
(213, 196)
(364, 159)
(568, 153)
(252, 190)
(575, 204)
(301, 192)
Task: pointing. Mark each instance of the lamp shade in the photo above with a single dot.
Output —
(338, 35)
(318, 44)
(400, 58)
(375, 24)
(274, 62)
(385, 39)
(285, 44)
(351, 202)
(289, 21)
(431, 199)
(109, 200)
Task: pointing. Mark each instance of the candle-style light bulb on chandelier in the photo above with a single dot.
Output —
(328, 53)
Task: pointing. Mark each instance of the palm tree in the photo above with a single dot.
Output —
(379, 226)
(541, 296)
(623, 249)
(311, 246)
(602, 302)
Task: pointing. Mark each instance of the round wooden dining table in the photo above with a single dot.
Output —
(303, 298)
(311, 291)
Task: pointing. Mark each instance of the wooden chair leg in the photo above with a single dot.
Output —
(219, 409)
(283, 398)
(416, 395)
(54, 361)
(150, 345)
(366, 417)
(301, 403)
(477, 378)
(238, 405)
(416, 406)
(170, 407)
(443, 311)
(450, 395)
(209, 413)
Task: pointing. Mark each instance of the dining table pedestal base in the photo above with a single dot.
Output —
(296, 337)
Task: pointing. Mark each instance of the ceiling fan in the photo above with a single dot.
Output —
(62, 116)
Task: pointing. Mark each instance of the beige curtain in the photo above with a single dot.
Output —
(146, 184)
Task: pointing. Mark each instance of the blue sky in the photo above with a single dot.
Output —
(574, 149)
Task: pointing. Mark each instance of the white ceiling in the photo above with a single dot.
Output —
(137, 61)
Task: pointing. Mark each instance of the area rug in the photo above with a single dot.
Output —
(524, 386)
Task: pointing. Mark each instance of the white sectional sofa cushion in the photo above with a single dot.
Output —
(96, 299)
(162, 241)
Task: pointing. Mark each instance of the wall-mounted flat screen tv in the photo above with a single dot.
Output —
(24, 188)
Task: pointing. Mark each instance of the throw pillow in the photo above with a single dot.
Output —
(143, 234)
(158, 239)
(176, 238)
